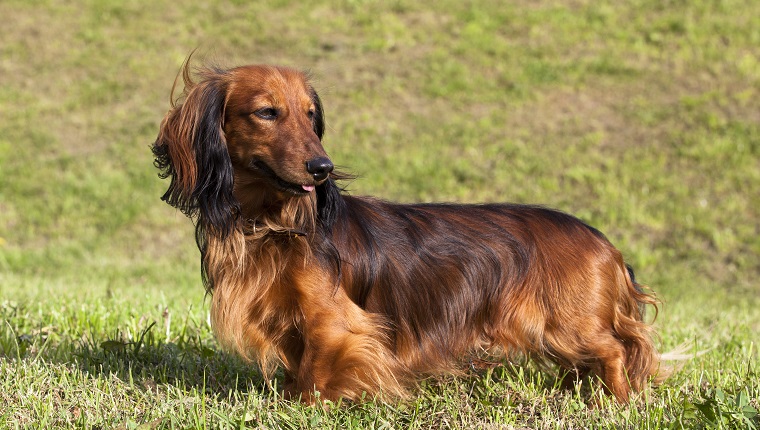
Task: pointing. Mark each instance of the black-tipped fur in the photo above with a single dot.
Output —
(210, 203)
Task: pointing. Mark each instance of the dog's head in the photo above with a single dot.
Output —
(246, 131)
(273, 126)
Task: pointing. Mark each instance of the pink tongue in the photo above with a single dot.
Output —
(308, 188)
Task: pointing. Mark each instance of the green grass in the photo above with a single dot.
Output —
(641, 117)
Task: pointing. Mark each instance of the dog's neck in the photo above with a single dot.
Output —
(255, 228)
(267, 212)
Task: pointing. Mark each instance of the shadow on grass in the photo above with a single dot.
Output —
(190, 361)
(187, 363)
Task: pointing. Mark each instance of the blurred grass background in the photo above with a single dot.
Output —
(641, 117)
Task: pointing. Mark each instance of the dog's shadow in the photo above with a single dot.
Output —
(190, 362)
(188, 365)
(196, 365)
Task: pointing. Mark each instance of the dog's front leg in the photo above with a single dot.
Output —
(346, 350)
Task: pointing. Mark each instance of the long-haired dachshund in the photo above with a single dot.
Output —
(356, 296)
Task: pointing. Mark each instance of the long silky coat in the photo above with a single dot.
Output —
(355, 296)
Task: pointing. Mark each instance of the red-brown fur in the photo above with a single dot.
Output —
(355, 296)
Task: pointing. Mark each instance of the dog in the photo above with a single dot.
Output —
(357, 297)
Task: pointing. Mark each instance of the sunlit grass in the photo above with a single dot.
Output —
(639, 117)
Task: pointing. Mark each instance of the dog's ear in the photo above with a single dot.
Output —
(329, 204)
(319, 115)
(192, 152)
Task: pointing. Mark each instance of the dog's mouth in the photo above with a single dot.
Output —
(281, 184)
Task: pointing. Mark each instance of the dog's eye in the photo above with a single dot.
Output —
(310, 114)
(268, 113)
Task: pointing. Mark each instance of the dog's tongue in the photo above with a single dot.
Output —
(308, 188)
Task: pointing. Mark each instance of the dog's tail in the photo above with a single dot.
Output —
(643, 362)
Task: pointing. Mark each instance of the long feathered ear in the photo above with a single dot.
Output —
(330, 204)
(192, 152)
(329, 201)
(319, 115)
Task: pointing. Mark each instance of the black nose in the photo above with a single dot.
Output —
(319, 168)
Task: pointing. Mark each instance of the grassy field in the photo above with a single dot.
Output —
(641, 117)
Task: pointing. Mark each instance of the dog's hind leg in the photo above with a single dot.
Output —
(609, 353)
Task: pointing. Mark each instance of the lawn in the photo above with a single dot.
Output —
(641, 117)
